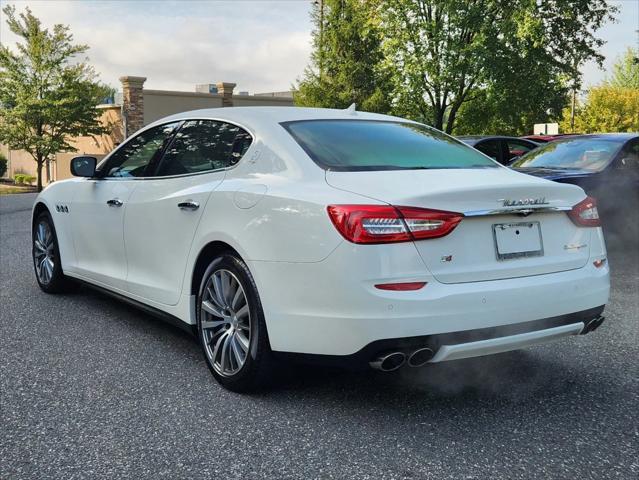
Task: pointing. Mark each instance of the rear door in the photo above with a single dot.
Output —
(164, 212)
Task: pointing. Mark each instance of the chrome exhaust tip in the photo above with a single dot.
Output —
(593, 324)
(388, 362)
(420, 357)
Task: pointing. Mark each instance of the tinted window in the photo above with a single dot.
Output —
(133, 158)
(490, 148)
(204, 145)
(582, 153)
(517, 149)
(630, 157)
(351, 145)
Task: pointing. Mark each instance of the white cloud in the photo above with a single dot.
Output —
(261, 46)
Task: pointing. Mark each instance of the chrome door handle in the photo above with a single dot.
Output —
(188, 205)
(114, 202)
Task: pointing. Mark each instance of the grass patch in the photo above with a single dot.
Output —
(11, 189)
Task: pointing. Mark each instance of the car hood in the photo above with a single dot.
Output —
(555, 173)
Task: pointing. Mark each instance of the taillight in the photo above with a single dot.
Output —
(389, 224)
(585, 213)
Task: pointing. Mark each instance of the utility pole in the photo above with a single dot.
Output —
(320, 4)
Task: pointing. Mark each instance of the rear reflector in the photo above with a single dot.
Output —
(585, 213)
(389, 224)
(599, 263)
(401, 286)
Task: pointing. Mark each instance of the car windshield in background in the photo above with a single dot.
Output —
(589, 153)
(352, 145)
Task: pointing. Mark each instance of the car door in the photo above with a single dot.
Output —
(100, 203)
(164, 212)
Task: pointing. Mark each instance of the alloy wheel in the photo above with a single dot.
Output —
(44, 252)
(225, 322)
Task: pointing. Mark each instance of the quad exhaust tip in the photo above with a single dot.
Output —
(593, 324)
(389, 362)
(420, 357)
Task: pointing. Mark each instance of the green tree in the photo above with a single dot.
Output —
(606, 109)
(625, 71)
(346, 60)
(47, 94)
(445, 53)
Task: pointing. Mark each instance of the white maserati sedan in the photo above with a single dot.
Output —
(324, 235)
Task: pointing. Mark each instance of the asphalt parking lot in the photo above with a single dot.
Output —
(91, 388)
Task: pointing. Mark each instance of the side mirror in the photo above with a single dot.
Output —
(83, 166)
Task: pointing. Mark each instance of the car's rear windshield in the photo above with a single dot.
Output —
(352, 145)
(582, 153)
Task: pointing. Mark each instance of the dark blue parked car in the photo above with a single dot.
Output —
(606, 166)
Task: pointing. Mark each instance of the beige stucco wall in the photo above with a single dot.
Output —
(261, 101)
(160, 103)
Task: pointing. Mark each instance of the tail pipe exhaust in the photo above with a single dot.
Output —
(592, 324)
(420, 357)
(389, 362)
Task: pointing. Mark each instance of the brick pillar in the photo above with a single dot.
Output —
(226, 90)
(132, 103)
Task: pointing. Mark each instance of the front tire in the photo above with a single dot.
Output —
(231, 326)
(46, 257)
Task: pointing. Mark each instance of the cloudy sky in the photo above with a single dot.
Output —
(260, 45)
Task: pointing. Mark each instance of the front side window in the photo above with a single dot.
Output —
(354, 145)
(133, 159)
(517, 149)
(204, 145)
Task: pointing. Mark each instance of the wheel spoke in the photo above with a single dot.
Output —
(239, 294)
(39, 246)
(209, 308)
(226, 286)
(206, 324)
(236, 351)
(217, 344)
(213, 298)
(242, 341)
(242, 312)
(217, 286)
(224, 359)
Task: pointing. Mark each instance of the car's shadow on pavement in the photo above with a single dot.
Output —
(515, 378)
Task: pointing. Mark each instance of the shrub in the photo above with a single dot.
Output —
(23, 179)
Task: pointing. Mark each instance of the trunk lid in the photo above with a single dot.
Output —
(470, 253)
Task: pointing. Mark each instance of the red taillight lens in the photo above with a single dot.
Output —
(388, 224)
(585, 213)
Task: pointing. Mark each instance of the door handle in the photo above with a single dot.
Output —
(188, 205)
(114, 202)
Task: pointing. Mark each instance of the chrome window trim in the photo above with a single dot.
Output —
(181, 121)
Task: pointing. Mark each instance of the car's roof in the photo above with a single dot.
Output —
(251, 115)
(601, 136)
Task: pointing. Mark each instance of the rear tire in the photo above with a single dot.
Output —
(46, 257)
(231, 326)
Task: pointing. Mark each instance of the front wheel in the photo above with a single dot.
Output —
(46, 257)
(231, 326)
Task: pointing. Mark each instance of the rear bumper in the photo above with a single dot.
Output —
(467, 343)
(333, 308)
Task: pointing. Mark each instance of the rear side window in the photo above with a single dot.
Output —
(204, 145)
(352, 145)
(490, 148)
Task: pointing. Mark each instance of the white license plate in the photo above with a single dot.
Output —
(514, 240)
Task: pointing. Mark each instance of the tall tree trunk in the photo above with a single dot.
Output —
(40, 161)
